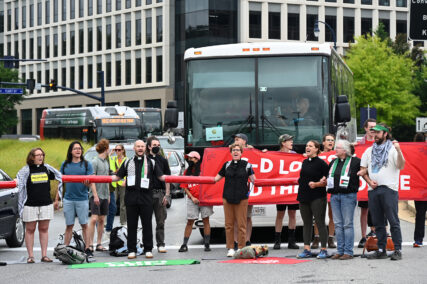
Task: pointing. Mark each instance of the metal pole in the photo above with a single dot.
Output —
(333, 33)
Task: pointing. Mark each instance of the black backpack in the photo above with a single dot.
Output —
(116, 241)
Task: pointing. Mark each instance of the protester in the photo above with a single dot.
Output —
(35, 202)
(328, 144)
(193, 207)
(312, 198)
(161, 191)
(420, 209)
(101, 167)
(365, 217)
(343, 184)
(235, 195)
(115, 163)
(380, 167)
(139, 197)
(242, 139)
(286, 142)
(76, 199)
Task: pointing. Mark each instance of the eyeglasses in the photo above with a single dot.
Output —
(39, 155)
(235, 150)
(77, 148)
(118, 150)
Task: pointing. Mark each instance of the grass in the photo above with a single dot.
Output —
(13, 155)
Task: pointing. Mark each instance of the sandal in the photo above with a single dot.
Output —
(99, 247)
(46, 259)
(30, 259)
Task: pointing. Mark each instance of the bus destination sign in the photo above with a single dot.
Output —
(418, 20)
(118, 121)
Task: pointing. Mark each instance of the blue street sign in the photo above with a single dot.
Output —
(367, 112)
(11, 91)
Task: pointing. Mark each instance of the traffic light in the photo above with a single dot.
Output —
(31, 84)
(52, 85)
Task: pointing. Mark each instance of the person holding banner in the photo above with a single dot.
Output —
(286, 142)
(193, 208)
(343, 185)
(312, 198)
(140, 172)
(380, 167)
(34, 201)
(76, 199)
(115, 164)
(235, 196)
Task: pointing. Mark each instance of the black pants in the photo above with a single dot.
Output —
(316, 208)
(383, 205)
(145, 212)
(420, 218)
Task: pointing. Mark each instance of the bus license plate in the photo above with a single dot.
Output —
(258, 211)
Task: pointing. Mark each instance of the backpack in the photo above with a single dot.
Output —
(69, 254)
(118, 238)
(372, 244)
(76, 242)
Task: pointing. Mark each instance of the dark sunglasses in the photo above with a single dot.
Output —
(118, 150)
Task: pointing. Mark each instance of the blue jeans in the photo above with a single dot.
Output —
(343, 205)
(112, 208)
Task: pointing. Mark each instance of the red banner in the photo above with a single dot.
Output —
(272, 165)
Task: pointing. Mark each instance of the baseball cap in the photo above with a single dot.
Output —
(193, 154)
(379, 127)
(242, 136)
(285, 137)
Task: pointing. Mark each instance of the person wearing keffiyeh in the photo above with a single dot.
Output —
(380, 167)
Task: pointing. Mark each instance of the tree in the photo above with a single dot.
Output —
(383, 80)
(8, 115)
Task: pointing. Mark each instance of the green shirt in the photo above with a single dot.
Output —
(101, 167)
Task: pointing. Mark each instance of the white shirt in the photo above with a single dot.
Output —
(388, 175)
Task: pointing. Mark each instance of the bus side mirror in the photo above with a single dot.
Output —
(171, 115)
(342, 110)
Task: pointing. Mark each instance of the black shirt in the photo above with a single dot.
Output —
(164, 166)
(135, 195)
(353, 184)
(236, 180)
(38, 186)
(313, 169)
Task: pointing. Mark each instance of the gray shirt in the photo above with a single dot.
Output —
(101, 167)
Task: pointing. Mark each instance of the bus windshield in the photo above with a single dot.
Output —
(151, 121)
(262, 97)
(118, 133)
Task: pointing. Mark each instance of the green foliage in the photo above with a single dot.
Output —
(8, 101)
(383, 80)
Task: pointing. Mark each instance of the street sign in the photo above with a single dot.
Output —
(418, 20)
(421, 124)
(38, 86)
(11, 91)
(367, 112)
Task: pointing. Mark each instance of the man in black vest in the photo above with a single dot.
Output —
(140, 172)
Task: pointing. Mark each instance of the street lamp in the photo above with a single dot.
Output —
(317, 31)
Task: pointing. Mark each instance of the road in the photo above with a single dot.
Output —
(412, 269)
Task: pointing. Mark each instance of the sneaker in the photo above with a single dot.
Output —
(417, 244)
(397, 255)
(305, 254)
(362, 243)
(315, 244)
(161, 249)
(331, 242)
(207, 247)
(276, 245)
(183, 248)
(148, 254)
(377, 255)
(323, 254)
(230, 253)
(131, 255)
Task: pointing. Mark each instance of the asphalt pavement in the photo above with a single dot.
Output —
(411, 269)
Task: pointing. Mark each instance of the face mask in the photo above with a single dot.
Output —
(190, 163)
(155, 150)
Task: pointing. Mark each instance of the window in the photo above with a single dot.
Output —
(81, 8)
(39, 13)
(332, 21)
(72, 9)
(81, 77)
(64, 10)
(128, 30)
(64, 76)
(159, 28)
(99, 35)
(128, 69)
(128, 4)
(255, 24)
(148, 29)
(311, 20)
(118, 4)
(401, 3)
(108, 73)
(72, 76)
(39, 79)
(72, 41)
(90, 76)
(348, 1)
(64, 43)
(89, 7)
(401, 27)
(9, 20)
(47, 12)
(366, 2)
(138, 69)
(108, 36)
(26, 121)
(132, 104)
(31, 47)
(159, 68)
(89, 36)
(16, 18)
(138, 32)
(39, 47)
(348, 29)
(55, 11)
(24, 18)
(366, 26)
(98, 70)
(386, 23)
(118, 70)
(384, 2)
(31, 15)
(148, 2)
(1, 25)
(153, 103)
(148, 72)
(138, 3)
(24, 49)
(99, 6)
(118, 32)
(108, 6)
(274, 21)
(55, 44)
(293, 26)
(47, 76)
(81, 38)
